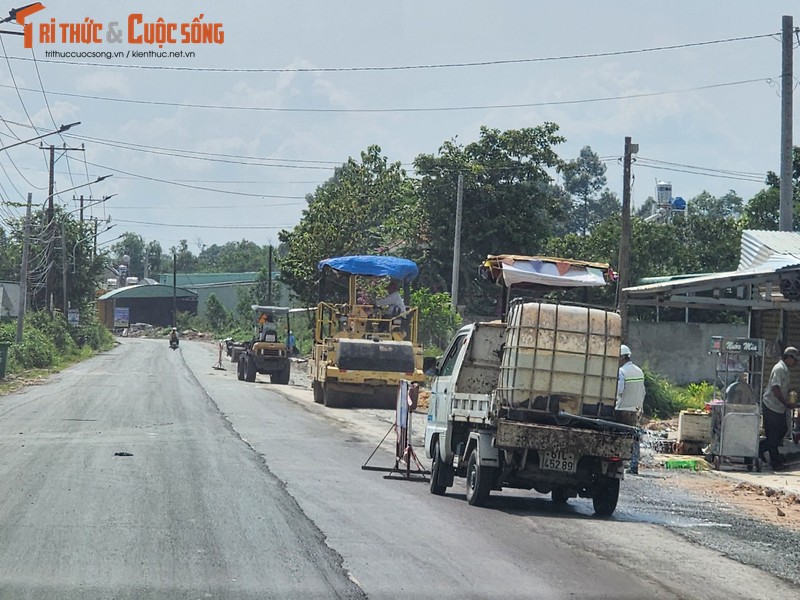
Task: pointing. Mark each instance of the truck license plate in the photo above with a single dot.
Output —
(558, 460)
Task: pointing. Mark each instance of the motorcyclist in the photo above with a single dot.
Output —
(173, 336)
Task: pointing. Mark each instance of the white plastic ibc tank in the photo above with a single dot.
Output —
(556, 349)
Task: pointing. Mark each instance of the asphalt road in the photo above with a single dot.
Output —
(237, 490)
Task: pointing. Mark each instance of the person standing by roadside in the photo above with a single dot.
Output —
(776, 403)
(630, 399)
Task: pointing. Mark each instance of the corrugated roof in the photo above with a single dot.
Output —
(759, 247)
(204, 279)
(147, 291)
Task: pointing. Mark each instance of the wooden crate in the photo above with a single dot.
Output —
(694, 426)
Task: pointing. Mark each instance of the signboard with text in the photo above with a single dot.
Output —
(122, 316)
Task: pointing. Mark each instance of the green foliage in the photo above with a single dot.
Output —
(729, 205)
(584, 181)
(697, 394)
(49, 341)
(357, 211)
(216, 314)
(661, 397)
(664, 399)
(437, 319)
(54, 328)
(36, 351)
(508, 204)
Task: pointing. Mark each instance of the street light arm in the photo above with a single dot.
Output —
(61, 129)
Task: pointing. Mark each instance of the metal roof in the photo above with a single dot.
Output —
(758, 247)
(147, 291)
(771, 257)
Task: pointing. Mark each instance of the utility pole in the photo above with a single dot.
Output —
(269, 276)
(81, 213)
(23, 276)
(457, 243)
(65, 304)
(174, 290)
(787, 85)
(625, 239)
(49, 231)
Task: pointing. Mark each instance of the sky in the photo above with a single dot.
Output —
(224, 142)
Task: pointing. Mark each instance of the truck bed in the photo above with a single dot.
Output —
(517, 435)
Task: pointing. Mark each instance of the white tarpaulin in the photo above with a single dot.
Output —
(561, 274)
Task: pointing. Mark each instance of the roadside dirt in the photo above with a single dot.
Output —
(764, 503)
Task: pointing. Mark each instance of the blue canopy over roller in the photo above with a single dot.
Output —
(373, 266)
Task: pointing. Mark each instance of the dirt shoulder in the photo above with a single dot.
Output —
(761, 502)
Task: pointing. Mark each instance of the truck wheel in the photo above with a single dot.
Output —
(605, 499)
(281, 378)
(479, 481)
(240, 369)
(559, 495)
(316, 387)
(437, 489)
(250, 369)
(331, 399)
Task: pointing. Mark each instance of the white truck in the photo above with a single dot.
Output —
(529, 403)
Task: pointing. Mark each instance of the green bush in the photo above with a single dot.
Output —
(95, 335)
(37, 351)
(661, 396)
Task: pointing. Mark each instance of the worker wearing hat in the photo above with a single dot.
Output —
(776, 404)
(630, 398)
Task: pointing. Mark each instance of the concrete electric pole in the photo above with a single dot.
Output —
(625, 239)
(787, 85)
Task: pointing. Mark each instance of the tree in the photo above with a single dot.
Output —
(437, 319)
(233, 257)
(729, 205)
(185, 261)
(155, 258)
(216, 314)
(585, 180)
(357, 211)
(508, 204)
(763, 210)
(10, 256)
(131, 245)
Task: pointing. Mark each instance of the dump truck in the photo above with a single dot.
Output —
(527, 401)
(361, 352)
(266, 352)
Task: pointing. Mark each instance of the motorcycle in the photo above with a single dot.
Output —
(173, 343)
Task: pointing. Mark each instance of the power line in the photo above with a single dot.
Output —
(399, 109)
(455, 65)
(204, 226)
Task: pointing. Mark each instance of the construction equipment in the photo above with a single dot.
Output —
(361, 352)
(266, 353)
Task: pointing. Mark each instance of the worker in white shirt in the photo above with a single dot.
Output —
(630, 399)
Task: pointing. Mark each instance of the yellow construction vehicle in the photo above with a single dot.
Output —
(362, 348)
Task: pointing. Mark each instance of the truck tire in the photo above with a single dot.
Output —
(240, 369)
(316, 387)
(479, 481)
(437, 467)
(606, 496)
(559, 495)
(331, 399)
(249, 369)
(281, 378)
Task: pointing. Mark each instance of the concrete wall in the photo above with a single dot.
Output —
(679, 351)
